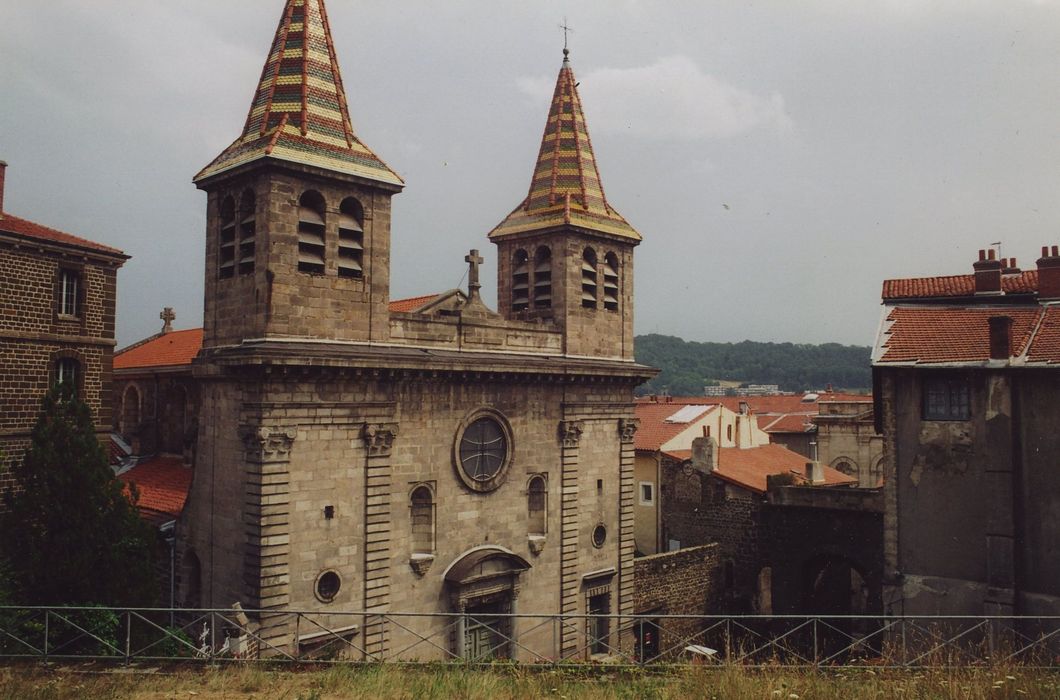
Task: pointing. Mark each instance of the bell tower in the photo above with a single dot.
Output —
(564, 254)
(298, 211)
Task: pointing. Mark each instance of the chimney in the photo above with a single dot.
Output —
(745, 407)
(987, 273)
(705, 454)
(814, 473)
(1000, 337)
(1009, 266)
(3, 172)
(1049, 274)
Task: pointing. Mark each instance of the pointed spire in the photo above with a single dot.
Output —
(299, 111)
(565, 188)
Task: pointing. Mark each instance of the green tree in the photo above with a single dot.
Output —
(70, 533)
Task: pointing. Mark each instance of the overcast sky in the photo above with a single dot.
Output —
(780, 158)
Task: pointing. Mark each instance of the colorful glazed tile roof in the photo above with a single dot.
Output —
(750, 467)
(163, 483)
(955, 286)
(299, 112)
(961, 334)
(565, 189)
(21, 227)
(172, 349)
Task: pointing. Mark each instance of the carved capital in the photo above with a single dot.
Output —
(627, 427)
(537, 544)
(265, 443)
(421, 563)
(379, 438)
(570, 432)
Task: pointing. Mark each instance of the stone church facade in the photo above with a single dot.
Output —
(460, 459)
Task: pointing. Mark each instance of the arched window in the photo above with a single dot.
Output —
(589, 279)
(543, 278)
(130, 411)
(351, 238)
(611, 282)
(846, 467)
(68, 370)
(728, 432)
(520, 280)
(422, 513)
(537, 506)
(247, 232)
(226, 261)
(311, 232)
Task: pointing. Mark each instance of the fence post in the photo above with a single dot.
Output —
(728, 640)
(298, 634)
(556, 653)
(213, 635)
(47, 628)
(816, 656)
(128, 637)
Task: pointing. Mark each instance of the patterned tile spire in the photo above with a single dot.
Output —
(565, 189)
(299, 113)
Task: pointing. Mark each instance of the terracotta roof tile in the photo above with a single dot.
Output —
(750, 467)
(934, 334)
(773, 404)
(1025, 282)
(171, 349)
(653, 431)
(788, 423)
(22, 227)
(163, 483)
(1046, 344)
(412, 303)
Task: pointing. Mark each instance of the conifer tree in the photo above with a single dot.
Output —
(70, 532)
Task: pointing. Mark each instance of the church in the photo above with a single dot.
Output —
(445, 459)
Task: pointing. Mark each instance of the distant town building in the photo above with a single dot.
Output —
(57, 298)
(967, 370)
(749, 390)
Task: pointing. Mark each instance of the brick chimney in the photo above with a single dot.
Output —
(1009, 266)
(1049, 274)
(1000, 337)
(3, 172)
(987, 273)
(705, 454)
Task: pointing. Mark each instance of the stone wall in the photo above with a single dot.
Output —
(156, 411)
(684, 582)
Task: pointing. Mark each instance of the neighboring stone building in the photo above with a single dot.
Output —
(967, 375)
(847, 440)
(350, 457)
(57, 296)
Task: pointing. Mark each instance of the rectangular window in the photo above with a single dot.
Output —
(647, 493)
(69, 287)
(947, 399)
(66, 371)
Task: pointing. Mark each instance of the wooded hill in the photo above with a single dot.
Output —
(689, 366)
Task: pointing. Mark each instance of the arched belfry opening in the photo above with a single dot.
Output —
(483, 584)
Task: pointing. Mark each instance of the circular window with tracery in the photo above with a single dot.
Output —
(327, 586)
(483, 450)
(599, 536)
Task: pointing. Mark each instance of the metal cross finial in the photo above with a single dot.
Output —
(167, 317)
(566, 31)
(473, 284)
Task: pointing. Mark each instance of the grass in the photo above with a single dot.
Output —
(34, 682)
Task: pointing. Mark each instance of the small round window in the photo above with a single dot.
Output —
(599, 536)
(328, 585)
(483, 451)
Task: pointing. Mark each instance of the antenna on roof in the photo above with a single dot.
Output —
(998, 244)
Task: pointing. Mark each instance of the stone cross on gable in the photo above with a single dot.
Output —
(473, 285)
(167, 317)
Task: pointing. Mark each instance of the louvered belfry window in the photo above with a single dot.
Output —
(520, 281)
(543, 278)
(351, 239)
(611, 282)
(589, 279)
(247, 233)
(311, 234)
(227, 252)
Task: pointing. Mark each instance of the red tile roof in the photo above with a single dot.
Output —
(788, 423)
(772, 404)
(1046, 345)
(955, 286)
(412, 303)
(749, 467)
(933, 334)
(22, 227)
(172, 349)
(653, 431)
(163, 483)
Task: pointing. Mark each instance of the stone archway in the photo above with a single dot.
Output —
(483, 584)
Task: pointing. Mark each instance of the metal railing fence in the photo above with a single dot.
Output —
(225, 635)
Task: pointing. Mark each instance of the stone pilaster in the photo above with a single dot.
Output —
(626, 429)
(379, 441)
(570, 436)
(266, 520)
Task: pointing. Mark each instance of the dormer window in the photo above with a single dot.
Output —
(520, 281)
(611, 282)
(351, 239)
(226, 264)
(311, 233)
(247, 233)
(589, 279)
(543, 278)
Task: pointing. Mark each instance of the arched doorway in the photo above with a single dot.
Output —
(837, 590)
(483, 584)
